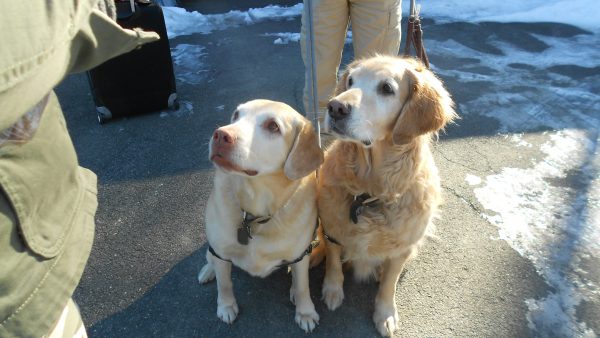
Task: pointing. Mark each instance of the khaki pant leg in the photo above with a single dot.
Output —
(330, 23)
(69, 324)
(376, 26)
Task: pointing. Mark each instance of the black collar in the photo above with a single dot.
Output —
(244, 232)
(359, 203)
(356, 208)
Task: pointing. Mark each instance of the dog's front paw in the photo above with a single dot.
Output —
(206, 274)
(227, 313)
(307, 320)
(333, 295)
(386, 321)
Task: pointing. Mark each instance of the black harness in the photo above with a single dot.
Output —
(359, 203)
(356, 208)
(331, 239)
(245, 229)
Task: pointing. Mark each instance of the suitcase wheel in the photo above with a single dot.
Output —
(104, 114)
(173, 103)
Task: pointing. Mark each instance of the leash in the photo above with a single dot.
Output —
(310, 51)
(414, 35)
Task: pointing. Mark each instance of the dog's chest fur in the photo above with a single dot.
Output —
(405, 180)
(286, 235)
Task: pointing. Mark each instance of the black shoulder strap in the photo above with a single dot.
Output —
(212, 251)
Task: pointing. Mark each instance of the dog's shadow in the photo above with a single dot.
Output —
(178, 306)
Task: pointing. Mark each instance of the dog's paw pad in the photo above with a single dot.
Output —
(386, 324)
(227, 313)
(307, 321)
(206, 274)
(333, 296)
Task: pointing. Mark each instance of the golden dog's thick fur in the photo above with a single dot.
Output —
(391, 108)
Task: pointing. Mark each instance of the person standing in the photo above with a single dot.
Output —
(47, 201)
(376, 28)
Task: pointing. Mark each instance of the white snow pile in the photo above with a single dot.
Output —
(553, 224)
(284, 38)
(181, 22)
(186, 108)
(287, 37)
(538, 103)
(545, 216)
(549, 213)
(472, 179)
(581, 13)
(189, 63)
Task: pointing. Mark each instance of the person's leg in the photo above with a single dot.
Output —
(376, 27)
(330, 23)
(69, 324)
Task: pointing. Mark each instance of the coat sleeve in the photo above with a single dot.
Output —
(43, 41)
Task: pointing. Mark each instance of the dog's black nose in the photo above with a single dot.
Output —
(338, 110)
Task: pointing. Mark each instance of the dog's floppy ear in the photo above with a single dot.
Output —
(428, 106)
(306, 155)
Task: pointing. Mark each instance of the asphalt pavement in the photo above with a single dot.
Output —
(155, 178)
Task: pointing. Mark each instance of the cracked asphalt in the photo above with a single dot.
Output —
(155, 177)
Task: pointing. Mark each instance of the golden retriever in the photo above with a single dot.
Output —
(262, 211)
(379, 187)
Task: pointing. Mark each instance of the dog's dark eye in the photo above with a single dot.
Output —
(350, 82)
(235, 115)
(272, 126)
(387, 89)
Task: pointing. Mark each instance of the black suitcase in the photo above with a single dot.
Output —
(142, 80)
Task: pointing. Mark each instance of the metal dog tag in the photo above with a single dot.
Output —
(243, 236)
(356, 208)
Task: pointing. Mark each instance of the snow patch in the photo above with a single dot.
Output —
(284, 38)
(553, 224)
(167, 2)
(518, 140)
(535, 104)
(472, 179)
(186, 108)
(189, 63)
(548, 213)
(181, 22)
(581, 13)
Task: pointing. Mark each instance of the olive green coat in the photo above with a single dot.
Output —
(47, 202)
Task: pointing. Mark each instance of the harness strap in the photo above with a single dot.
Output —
(331, 239)
(313, 244)
(212, 251)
